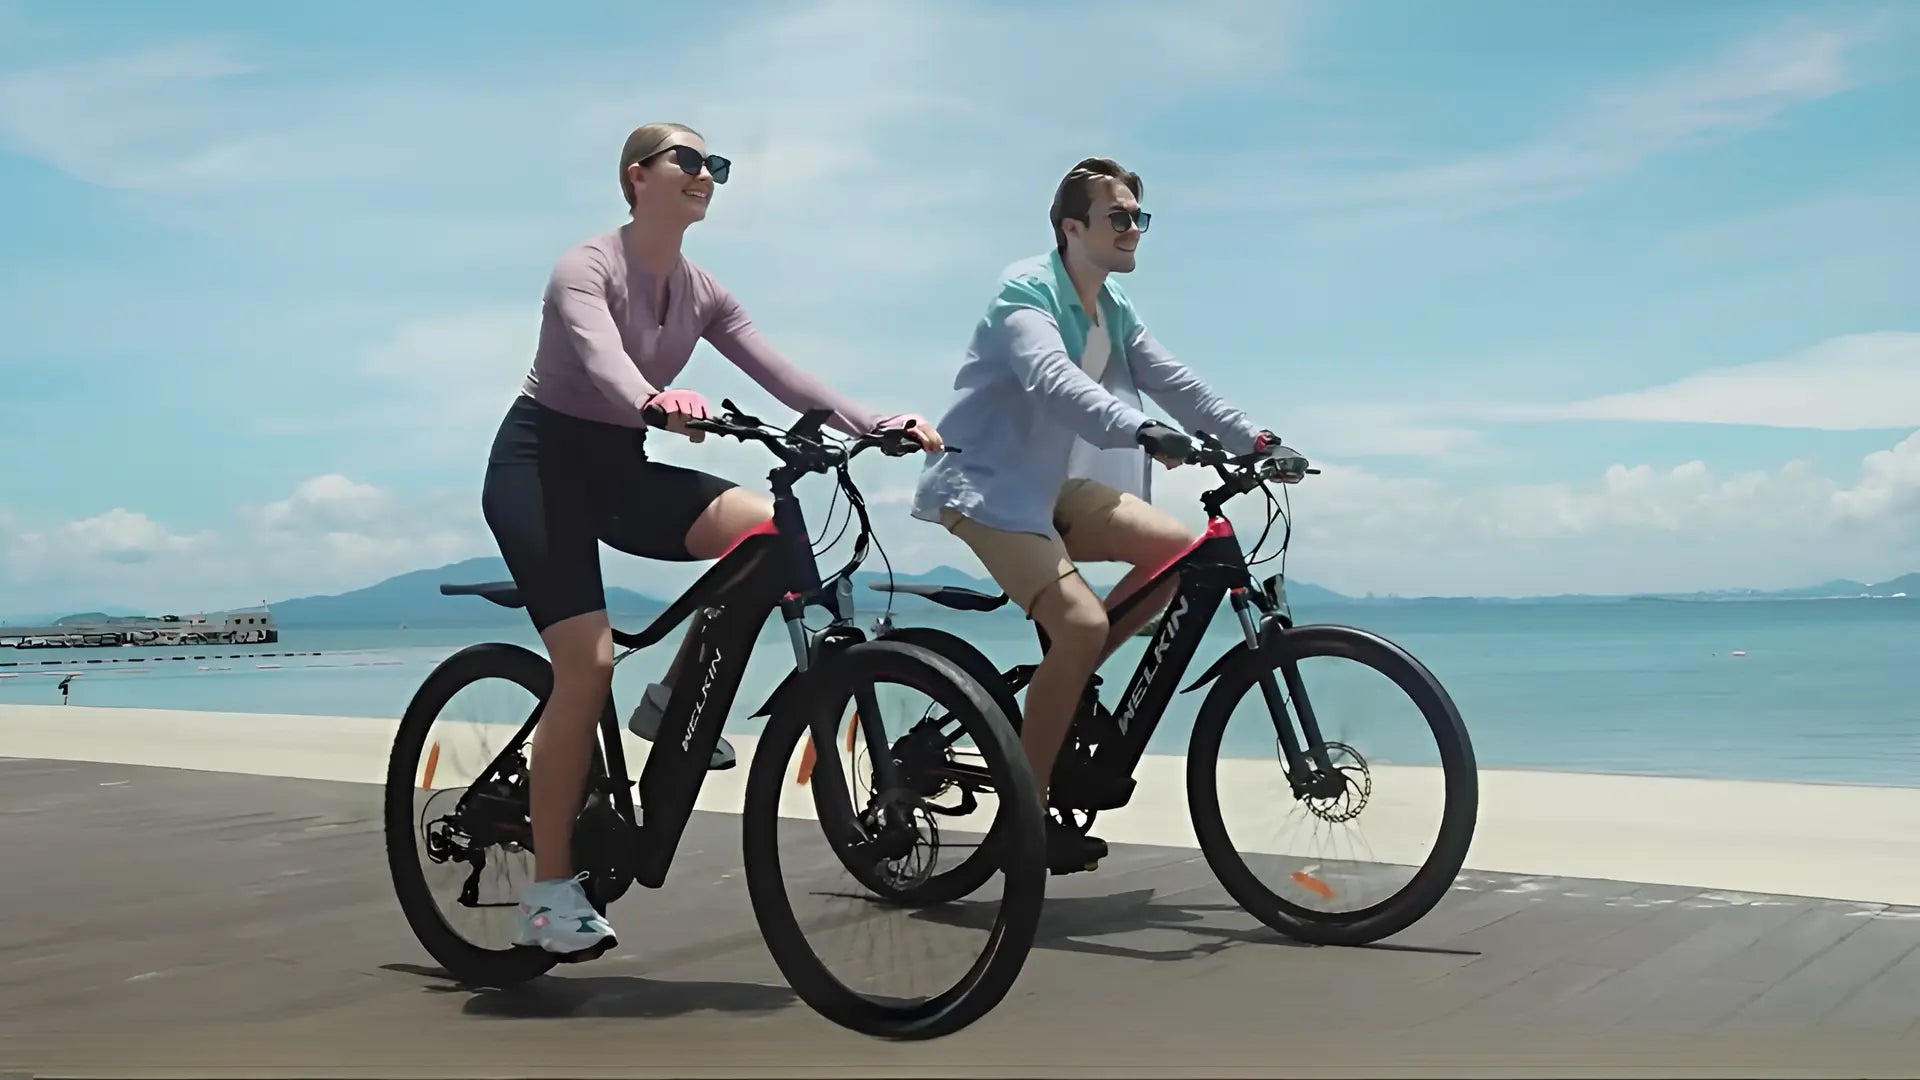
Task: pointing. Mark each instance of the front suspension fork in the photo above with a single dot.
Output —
(1298, 763)
(809, 651)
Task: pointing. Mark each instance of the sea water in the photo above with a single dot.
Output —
(1813, 691)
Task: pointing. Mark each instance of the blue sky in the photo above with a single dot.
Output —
(1569, 296)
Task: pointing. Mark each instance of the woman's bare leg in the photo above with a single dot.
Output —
(581, 651)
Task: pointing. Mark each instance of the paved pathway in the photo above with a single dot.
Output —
(172, 922)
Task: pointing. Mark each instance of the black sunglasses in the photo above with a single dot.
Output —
(1120, 219)
(690, 161)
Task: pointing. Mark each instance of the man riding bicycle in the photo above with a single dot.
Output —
(1057, 468)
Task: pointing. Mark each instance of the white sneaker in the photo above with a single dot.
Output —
(645, 722)
(556, 916)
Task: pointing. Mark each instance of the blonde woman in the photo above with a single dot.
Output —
(569, 470)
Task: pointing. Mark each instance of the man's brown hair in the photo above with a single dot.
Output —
(1074, 197)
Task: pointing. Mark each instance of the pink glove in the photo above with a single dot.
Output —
(687, 403)
(668, 406)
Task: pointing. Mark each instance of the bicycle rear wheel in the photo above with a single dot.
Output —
(863, 842)
(455, 808)
(1365, 839)
(977, 865)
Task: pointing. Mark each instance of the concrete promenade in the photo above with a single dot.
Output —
(168, 921)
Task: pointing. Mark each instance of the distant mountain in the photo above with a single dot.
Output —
(1838, 589)
(414, 599)
(42, 618)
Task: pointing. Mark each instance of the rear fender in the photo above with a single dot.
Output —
(968, 658)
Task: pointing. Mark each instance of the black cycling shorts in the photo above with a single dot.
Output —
(557, 486)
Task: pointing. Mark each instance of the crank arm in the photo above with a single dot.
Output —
(968, 804)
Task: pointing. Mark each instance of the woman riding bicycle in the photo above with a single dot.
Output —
(568, 470)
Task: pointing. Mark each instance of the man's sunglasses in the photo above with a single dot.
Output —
(690, 161)
(1120, 219)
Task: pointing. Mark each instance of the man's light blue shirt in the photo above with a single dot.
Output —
(1024, 398)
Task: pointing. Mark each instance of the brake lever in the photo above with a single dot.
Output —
(896, 442)
(738, 417)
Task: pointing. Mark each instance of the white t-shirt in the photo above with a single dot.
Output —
(1122, 468)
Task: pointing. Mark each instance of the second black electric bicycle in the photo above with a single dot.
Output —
(1326, 780)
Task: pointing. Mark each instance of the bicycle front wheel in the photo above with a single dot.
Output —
(1364, 851)
(877, 837)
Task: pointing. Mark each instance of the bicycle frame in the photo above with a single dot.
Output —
(772, 566)
(1213, 568)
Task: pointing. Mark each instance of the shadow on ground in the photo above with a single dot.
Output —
(625, 996)
(1072, 923)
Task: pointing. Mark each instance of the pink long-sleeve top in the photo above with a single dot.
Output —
(605, 347)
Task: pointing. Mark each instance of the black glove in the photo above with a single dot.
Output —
(1162, 441)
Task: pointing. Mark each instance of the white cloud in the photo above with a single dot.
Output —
(156, 118)
(1855, 382)
(1379, 430)
(1746, 87)
(894, 169)
(1631, 528)
(118, 537)
(448, 378)
(330, 534)
(908, 163)
(1888, 493)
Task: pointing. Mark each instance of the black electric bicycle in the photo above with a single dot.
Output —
(618, 840)
(1327, 777)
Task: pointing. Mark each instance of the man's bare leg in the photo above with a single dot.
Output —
(1076, 627)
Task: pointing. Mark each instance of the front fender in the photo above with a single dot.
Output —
(828, 642)
(778, 698)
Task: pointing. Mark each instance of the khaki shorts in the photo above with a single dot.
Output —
(1086, 514)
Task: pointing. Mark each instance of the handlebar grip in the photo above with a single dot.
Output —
(1165, 442)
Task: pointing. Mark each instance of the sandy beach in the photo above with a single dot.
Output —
(1824, 841)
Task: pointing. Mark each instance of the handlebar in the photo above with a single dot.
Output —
(1243, 473)
(805, 447)
(1276, 462)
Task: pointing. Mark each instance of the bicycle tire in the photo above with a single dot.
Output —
(467, 963)
(978, 868)
(1023, 845)
(1436, 875)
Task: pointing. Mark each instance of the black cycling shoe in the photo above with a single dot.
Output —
(1069, 852)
